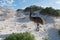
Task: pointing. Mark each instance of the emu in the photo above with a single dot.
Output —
(37, 20)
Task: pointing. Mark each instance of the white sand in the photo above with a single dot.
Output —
(16, 25)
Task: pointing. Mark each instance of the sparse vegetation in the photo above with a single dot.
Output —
(33, 8)
(50, 11)
(44, 11)
(19, 10)
(58, 12)
(59, 31)
(20, 36)
(46, 39)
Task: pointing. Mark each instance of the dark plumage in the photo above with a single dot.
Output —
(36, 19)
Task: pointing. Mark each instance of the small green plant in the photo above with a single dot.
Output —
(20, 36)
(46, 38)
(59, 31)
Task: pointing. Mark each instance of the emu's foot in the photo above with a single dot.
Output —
(37, 29)
(40, 26)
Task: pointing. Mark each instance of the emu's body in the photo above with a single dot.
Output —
(37, 20)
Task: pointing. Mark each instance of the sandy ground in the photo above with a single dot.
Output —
(17, 25)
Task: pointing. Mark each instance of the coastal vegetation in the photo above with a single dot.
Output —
(20, 36)
(44, 11)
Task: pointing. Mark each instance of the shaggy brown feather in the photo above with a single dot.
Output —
(36, 19)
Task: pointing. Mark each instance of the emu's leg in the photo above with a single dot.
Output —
(37, 29)
(37, 24)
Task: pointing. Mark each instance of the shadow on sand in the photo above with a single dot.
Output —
(49, 20)
(53, 34)
(3, 35)
(23, 20)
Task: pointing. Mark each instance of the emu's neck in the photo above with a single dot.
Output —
(30, 14)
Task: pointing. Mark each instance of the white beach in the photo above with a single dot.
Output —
(16, 25)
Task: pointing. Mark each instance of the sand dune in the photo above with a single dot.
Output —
(17, 24)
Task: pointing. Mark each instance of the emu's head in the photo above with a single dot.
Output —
(33, 14)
